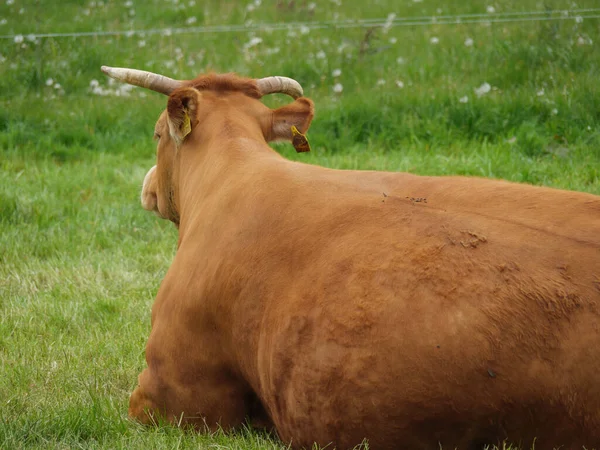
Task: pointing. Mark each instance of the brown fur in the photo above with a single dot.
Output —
(227, 82)
(342, 305)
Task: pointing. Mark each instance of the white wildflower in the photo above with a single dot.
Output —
(57, 86)
(434, 40)
(578, 19)
(124, 90)
(167, 32)
(191, 20)
(192, 3)
(304, 29)
(380, 82)
(312, 6)
(554, 111)
(584, 40)
(400, 83)
(321, 54)
(2, 59)
(464, 99)
(130, 33)
(469, 42)
(338, 88)
(18, 38)
(250, 7)
(3, 22)
(389, 22)
(400, 60)
(483, 89)
(49, 82)
(142, 43)
(132, 12)
(512, 140)
(541, 92)
(490, 10)
(417, 1)
(393, 40)
(94, 83)
(336, 73)
(128, 4)
(253, 42)
(10, 2)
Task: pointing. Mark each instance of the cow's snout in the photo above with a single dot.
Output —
(149, 195)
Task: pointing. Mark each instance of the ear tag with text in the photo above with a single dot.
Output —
(299, 141)
(186, 126)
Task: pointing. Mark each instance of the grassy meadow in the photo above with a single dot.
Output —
(80, 261)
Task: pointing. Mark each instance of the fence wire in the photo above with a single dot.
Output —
(391, 21)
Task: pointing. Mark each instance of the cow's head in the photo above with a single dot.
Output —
(195, 107)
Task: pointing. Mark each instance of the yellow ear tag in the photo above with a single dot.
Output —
(186, 126)
(299, 141)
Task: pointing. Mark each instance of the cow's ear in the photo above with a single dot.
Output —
(290, 121)
(181, 113)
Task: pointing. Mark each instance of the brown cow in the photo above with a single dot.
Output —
(340, 305)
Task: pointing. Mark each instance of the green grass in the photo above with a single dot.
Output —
(80, 261)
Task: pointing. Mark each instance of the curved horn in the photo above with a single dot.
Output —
(148, 80)
(284, 85)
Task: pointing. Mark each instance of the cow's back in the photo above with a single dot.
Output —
(459, 309)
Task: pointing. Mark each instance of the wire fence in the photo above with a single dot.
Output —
(577, 15)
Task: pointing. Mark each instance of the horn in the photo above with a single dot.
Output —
(283, 85)
(148, 80)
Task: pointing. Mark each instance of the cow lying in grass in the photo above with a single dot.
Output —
(342, 305)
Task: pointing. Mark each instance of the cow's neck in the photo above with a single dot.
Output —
(211, 168)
